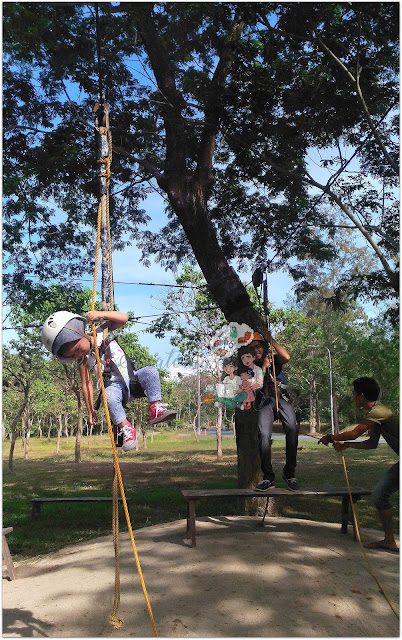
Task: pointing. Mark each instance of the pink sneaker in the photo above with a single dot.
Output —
(159, 412)
(129, 434)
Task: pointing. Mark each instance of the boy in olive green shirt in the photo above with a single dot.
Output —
(380, 421)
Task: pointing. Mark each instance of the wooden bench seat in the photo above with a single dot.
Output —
(191, 497)
(37, 502)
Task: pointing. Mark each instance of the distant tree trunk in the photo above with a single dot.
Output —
(39, 422)
(195, 428)
(336, 415)
(317, 416)
(198, 395)
(29, 421)
(50, 427)
(219, 451)
(13, 429)
(66, 425)
(23, 430)
(144, 439)
(139, 422)
(314, 416)
(77, 447)
(88, 440)
(59, 432)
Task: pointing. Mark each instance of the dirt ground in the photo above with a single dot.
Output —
(292, 578)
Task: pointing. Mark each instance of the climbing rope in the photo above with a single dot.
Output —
(260, 278)
(356, 526)
(266, 311)
(114, 617)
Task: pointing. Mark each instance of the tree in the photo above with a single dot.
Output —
(19, 370)
(235, 97)
(192, 318)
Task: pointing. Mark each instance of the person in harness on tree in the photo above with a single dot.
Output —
(63, 334)
(265, 404)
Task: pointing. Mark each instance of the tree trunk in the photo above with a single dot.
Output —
(219, 452)
(50, 428)
(39, 421)
(313, 406)
(195, 427)
(248, 455)
(13, 429)
(234, 426)
(23, 430)
(29, 421)
(188, 200)
(317, 416)
(198, 395)
(59, 432)
(336, 415)
(248, 459)
(77, 447)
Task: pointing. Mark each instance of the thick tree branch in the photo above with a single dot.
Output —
(166, 80)
(213, 101)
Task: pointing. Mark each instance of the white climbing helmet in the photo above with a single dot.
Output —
(54, 324)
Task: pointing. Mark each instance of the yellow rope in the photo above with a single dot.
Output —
(114, 618)
(98, 231)
(120, 480)
(371, 570)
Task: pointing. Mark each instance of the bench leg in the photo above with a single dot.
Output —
(265, 512)
(8, 559)
(355, 499)
(188, 520)
(191, 521)
(36, 509)
(345, 514)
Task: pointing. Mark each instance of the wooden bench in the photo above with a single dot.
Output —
(7, 555)
(191, 497)
(37, 502)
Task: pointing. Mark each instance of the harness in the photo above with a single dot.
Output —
(135, 389)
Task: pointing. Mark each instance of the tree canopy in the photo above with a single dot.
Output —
(260, 124)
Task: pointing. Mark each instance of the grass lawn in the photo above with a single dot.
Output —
(153, 479)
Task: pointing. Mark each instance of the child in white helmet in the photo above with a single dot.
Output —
(63, 334)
